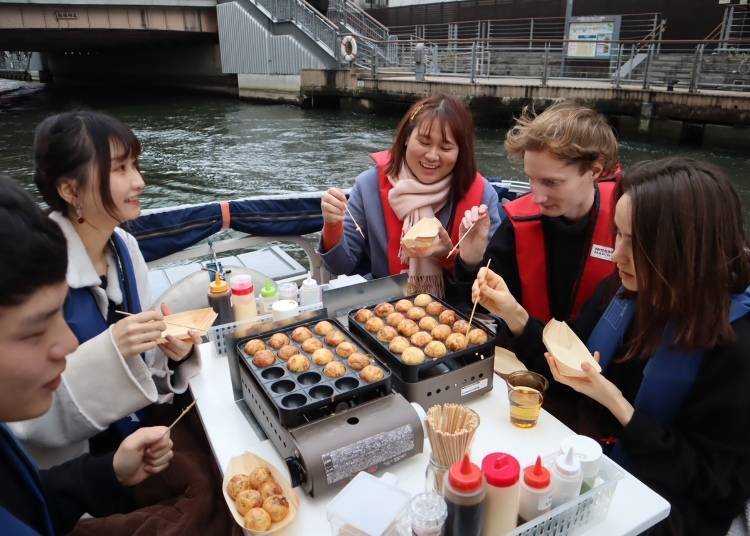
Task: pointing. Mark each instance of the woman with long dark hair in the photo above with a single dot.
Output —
(672, 334)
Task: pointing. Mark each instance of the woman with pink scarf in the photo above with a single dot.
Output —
(429, 171)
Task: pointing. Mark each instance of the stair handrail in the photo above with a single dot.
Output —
(357, 20)
(300, 13)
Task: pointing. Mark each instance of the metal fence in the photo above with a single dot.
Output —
(531, 31)
(674, 65)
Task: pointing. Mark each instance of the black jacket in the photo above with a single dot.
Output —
(701, 462)
(567, 244)
(86, 484)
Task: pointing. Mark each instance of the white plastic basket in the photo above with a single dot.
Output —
(577, 515)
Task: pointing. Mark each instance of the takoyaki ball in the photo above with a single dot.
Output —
(278, 340)
(335, 338)
(345, 349)
(435, 349)
(277, 507)
(398, 345)
(447, 317)
(301, 334)
(257, 520)
(384, 309)
(434, 308)
(312, 344)
(334, 369)
(387, 334)
(258, 476)
(375, 324)
(415, 313)
(358, 361)
(421, 339)
(270, 487)
(477, 336)
(461, 326)
(322, 356)
(263, 358)
(372, 374)
(363, 315)
(239, 482)
(407, 327)
(253, 346)
(403, 305)
(394, 319)
(287, 351)
(441, 332)
(247, 499)
(412, 356)
(324, 327)
(428, 323)
(298, 363)
(455, 341)
(422, 300)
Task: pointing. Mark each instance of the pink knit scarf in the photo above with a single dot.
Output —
(412, 200)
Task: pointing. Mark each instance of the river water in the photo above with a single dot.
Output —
(201, 148)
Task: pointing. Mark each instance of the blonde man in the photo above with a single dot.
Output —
(556, 243)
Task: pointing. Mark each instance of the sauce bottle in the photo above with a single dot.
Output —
(464, 490)
(268, 295)
(501, 471)
(243, 298)
(219, 298)
(309, 292)
(567, 478)
(536, 491)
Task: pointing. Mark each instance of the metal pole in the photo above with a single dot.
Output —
(473, 61)
(545, 70)
(569, 10)
(617, 66)
(695, 77)
(531, 34)
(648, 65)
(632, 62)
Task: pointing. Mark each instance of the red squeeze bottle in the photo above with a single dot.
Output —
(464, 489)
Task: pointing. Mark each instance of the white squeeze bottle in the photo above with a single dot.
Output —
(309, 292)
(536, 491)
(567, 478)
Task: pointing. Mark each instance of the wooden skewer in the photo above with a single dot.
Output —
(125, 313)
(181, 415)
(476, 302)
(355, 221)
(461, 239)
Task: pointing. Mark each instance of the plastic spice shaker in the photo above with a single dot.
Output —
(536, 491)
(428, 512)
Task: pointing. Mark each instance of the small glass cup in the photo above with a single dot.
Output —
(434, 475)
(526, 394)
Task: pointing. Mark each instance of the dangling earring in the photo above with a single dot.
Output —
(79, 213)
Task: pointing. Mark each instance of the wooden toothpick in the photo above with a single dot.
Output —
(461, 239)
(355, 222)
(476, 302)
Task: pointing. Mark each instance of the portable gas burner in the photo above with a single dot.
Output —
(326, 428)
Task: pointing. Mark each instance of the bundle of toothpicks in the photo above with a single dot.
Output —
(451, 429)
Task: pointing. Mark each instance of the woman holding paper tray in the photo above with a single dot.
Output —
(86, 169)
(672, 336)
(429, 171)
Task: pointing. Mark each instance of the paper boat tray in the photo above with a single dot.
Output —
(568, 349)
